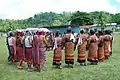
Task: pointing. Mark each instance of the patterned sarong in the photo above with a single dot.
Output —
(69, 53)
(57, 56)
(28, 55)
(19, 53)
(82, 52)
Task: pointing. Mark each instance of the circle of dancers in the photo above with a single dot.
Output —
(24, 46)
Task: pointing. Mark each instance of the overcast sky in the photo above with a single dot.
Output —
(21, 9)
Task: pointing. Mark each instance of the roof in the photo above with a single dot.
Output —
(61, 26)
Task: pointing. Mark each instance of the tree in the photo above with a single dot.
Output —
(101, 18)
(81, 18)
(116, 18)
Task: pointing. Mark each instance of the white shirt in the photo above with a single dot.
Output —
(72, 37)
(10, 41)
(27, 42)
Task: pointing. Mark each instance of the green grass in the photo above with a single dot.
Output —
(107, 70)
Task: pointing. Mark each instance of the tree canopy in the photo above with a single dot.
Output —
(56, 19)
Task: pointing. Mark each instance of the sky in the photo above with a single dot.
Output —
(22, 9)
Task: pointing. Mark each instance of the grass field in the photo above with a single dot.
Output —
(107, 70)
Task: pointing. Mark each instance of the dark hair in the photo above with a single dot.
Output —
(11, 34)
(27, 31)
(69, 30)
(82, 31)
(100, 32)
(107, 32)
(57, 34)
(92, 32)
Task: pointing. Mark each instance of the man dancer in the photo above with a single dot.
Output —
(19, 48)
(28, 49)
(12, 47)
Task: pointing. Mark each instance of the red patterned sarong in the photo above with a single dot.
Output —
(19, 53)
(101, 56)
(106, 48)
(92, 55)
(82, 52)
(57, 56)
(69, 53)
(28, 55)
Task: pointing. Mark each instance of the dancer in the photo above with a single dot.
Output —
(57, 51)
(69, 48)
(11, 42)
(28, 49)
(39, 46)
(107, 43)
(82, 43)
(93, 48)
(101, 56)
(19, 48)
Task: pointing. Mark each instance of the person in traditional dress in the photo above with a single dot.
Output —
(11, 46)
(107, 43)
(28, 49)
(39, 46)
(69, 48)
(93, 48)
(101, 56)
(57, 51)
(19, 48)
(82, 43)
(36, 50)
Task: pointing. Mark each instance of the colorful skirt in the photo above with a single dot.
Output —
(82, 53)
(28, 55)
(19, 53)
(92, 54)
(69, 53)
(106, 48)
(42, 56)
(101, 56)
(57, 56)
